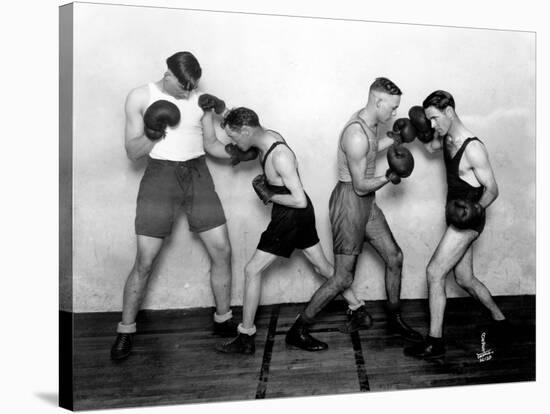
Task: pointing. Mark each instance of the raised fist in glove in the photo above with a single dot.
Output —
(464, 214)
(158, 116)
(259, 183)
(400, 160)
(423, 126)
(238, 155)
(403, 131)
(208, 102)
(392, 176)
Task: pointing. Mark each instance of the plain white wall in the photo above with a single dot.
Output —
(304, 77)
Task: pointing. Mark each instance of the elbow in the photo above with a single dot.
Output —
(131, 155)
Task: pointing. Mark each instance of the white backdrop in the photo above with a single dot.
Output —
(304, 77)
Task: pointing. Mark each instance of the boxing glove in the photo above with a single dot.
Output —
(464, 214)
(403, 131)
(158, 116)
(238, 155)
(400, 160)
(208, 102)
(422, 125)
(259, 183)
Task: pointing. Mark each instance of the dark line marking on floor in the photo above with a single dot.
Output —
(360, 362)
(268, 349)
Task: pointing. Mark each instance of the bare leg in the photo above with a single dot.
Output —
(449, 252)
(148, 249)
(253, 285)
(322, 266)
(464, 274)
(216, 242)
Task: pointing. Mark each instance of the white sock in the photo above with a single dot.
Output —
(126, 329)
(355, 307)
(224, 317)
(246, 331)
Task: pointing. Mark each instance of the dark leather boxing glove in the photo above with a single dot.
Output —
(403, 131)
(158, 116)
(425, 132)
(464, 214)
(238, 155)
(259, 183)
(208, 102)
(400, 160)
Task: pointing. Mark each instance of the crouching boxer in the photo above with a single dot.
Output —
(292, 224)
(355, 216)
(472, 188)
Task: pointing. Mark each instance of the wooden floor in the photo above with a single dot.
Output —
(174, 361)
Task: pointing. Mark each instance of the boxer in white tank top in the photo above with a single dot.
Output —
(176, 177)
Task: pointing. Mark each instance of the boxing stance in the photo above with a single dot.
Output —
(292, 224)
(472, 188)
(355, 216)
(170, 124)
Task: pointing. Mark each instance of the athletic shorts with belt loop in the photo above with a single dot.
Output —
(167, 187)
(354, 219)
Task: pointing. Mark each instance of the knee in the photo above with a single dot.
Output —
(463, 281)
(221, 253)
(396, 259)
(251, 271)
(343, 280)
(144, 266)
(433, 275)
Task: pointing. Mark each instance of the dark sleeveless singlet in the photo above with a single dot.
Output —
(290, 228)
(457, 188)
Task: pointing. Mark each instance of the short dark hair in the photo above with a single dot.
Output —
(385, 85)
(236, 118)
(185, 67)
(440, 99)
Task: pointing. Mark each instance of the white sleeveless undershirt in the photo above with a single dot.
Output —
(184, 141)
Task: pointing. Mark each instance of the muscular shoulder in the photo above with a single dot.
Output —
(138, 97)
(282, 154)
(476, 153)
(354, 140)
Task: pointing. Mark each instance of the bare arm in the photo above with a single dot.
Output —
(136, 143)
(355, 146)
(285, 165)
(477, 157)
(211, 143)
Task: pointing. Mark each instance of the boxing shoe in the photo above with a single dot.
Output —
(226, 329)
(122, 346)
(356, 319)
(242, 344)
(500, 332)
(299, 337)
(397, 325)
(430, 348)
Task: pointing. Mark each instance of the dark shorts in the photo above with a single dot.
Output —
(289, 229)
(167, 187)
(354, 219)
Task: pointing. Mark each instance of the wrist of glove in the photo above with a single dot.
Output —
(154, 134)
(396, 136)
(238, 155)
(259, 183)
(392, 176)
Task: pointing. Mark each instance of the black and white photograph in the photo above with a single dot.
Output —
(280, 206)
(257, 205)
